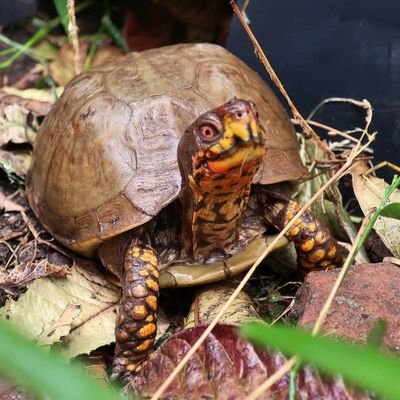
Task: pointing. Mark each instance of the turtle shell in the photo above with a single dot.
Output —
(105, 159)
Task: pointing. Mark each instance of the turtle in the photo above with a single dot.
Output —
(174, 156)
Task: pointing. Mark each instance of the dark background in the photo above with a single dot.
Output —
(330, 48)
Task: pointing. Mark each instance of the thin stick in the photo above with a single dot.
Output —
(73, 32)
(274, 77)
(342, 171)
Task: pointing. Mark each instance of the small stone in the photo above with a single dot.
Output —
(368, 293)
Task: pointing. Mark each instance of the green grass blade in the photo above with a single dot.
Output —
(62, 11)
(363, 366)
(114, 33)
(29, 366)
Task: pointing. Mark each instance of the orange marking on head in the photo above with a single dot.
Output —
(244, 155)
(144, 272)
(294, 231)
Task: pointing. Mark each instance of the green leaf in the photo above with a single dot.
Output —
(391, 210)
(363, 366)
(27, 365)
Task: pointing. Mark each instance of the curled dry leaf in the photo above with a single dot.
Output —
(228, 367)
(209, 300)
(49, 300)
(369, 191)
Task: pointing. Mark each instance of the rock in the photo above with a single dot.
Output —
(369, 292)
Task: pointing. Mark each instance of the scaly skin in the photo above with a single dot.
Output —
(137, 322)
(316, 248)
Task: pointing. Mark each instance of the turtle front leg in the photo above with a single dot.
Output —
(316, 247)
(137, 322)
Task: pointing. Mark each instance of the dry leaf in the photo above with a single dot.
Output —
(26, 272)
(228, 367)
(209, 300)
(48, 299)
(38, 101)
(369, 191)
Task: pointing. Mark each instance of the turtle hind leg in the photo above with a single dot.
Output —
(316, 247)
(137, 322)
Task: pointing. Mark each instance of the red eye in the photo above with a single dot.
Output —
(208, 132)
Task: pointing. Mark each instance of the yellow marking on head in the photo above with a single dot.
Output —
(233, 128)
(146, 330)
(146, 344)
(152, 302)
(307, 246)
(254, 127)
(316, 255)
(150, 318)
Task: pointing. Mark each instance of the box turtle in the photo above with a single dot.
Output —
(174, 156)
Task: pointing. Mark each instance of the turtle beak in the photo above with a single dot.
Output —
(242, 140)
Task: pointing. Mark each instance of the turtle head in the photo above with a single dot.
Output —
(224, 139)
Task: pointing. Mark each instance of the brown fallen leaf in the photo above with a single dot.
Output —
(369, 192)
(228, 367)
(26, 272)
(47, 299)
(62, 68)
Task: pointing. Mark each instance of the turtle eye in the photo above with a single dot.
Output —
(208, 132)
